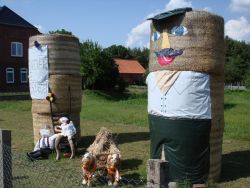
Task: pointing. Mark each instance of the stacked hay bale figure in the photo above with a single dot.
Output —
(55, 81)
(185, 93)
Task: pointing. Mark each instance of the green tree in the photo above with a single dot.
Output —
(62, 31)
(237, 60)
(247, 80)
(97, 66)
(141, 55)
(118, 51)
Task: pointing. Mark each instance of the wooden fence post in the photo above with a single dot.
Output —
(157, 176)
(5, 159)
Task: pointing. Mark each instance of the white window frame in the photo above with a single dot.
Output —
(24, 71)
(10, 70)
(16, 49)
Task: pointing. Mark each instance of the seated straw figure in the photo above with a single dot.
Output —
(66, 129)
(44, 146)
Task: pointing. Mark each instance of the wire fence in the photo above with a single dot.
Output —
(23, 173)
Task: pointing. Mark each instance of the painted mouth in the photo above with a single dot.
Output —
(167, 55)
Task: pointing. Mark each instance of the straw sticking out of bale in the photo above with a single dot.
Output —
(103, 145)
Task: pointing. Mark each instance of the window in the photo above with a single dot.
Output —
(16, 49)
(9, 75)
(24, 75)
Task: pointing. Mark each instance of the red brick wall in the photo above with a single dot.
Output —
(10, 34)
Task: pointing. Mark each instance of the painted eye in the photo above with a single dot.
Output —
(179, 30)
(155, 36)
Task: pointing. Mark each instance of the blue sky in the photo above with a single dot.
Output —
(123, 22)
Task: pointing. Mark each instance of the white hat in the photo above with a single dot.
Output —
(63, 120)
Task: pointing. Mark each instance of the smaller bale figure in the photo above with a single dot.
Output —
(44, 146)
(88, 168)
(66, 129)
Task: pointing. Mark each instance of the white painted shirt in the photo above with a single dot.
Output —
(188, 97)
(68, 130)
(46, 142)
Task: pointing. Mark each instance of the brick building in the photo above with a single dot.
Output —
(14, 44)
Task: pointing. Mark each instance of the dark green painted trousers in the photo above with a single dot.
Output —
(186, 146)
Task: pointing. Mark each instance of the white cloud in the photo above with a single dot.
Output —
(238, 29)
(139, 35)
(40, 28)
(240, 5)
(173, 4)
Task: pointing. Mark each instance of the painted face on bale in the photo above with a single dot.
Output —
(166, 55)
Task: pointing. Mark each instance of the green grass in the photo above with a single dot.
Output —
(237, 115)
(126, 116)
(113, 108)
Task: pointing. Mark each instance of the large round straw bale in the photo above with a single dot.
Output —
(63, 53)
(61, 105)
(203, 45)
(217, 128)
(64, 86)
(68, 93)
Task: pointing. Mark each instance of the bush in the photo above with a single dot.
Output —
(247, 80)
(122, 85)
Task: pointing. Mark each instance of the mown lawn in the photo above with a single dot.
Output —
(126, 116)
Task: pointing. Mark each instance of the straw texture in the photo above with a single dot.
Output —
(203, 45)
(60, 106)
(68, 94)
(63, 53)
(217, 128)
(103, 146)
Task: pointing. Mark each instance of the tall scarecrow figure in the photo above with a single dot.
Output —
(185, 93)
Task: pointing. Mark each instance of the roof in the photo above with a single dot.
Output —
(129, 66)
(8, 17)
(166, 15)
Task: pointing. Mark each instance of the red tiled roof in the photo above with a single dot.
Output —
(129, 66)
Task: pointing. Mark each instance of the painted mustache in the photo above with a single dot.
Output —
(167, 55)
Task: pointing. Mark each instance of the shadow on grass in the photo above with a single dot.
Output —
(15, 97)
(84, 143)
(130, 164)
(228, 106)
(235, 165)
(121, 138)
(132, 176)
